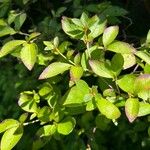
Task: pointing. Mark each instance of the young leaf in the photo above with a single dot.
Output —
(101, 69)
(10, 46)
(144, 56)
(126, 83)
(29, 55)
(11, 137)
(110, 34)
(7, 124)
(66, 126)
(144, 109)
(107, 108)
(132, 109)
(54, 69)
(75, 96)
(121, 47)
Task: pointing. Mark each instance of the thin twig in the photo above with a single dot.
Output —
(27, 123)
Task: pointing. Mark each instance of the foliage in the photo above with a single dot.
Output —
(79, 83)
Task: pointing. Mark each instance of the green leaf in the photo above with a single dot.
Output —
(147, 69)
(107, 108)
(19, 20)
(66, 126)
(142, 83)
(76, 73)
(33, 36)
(129, 60)
(117, 64)
(6, 31)
(132, 108)
(12, 15)
(54, 69)
(121, 47)
(23, 117)
(3, 22)
(144, 56)
(49, 45)
(148, 37)
(29, 54)
(126, 83)
(44, 114)
(77, 59)
(145, 95)
(101, 69)
(144, 109)
(91, 105)
(110, 34)
(45, 89)
(11, 137)
(96, 28)
(27, 103)
(7, 124)
(10, 46)
(75, 96)
(71, 28)
(77, 22)
(46, 130)
(84, 19)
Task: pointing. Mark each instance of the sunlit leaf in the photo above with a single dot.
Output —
(121, 47)
(54, 69)
(11, 137)
(75, 96)
(142, 83)
(107, 108)
(66, 125)
(129, 60)
(10, 46)
(29, 54)
(126, 83)
(96, 28)
(110, 34)
(101, 69)
(144, 56)
(144, 109)
(7, 124)
(76, 73)
(27, 103)
(132, 108)
(46, 130)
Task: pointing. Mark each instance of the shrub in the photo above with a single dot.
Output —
(81, 84)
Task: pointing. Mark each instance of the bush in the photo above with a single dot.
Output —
(81, 85)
